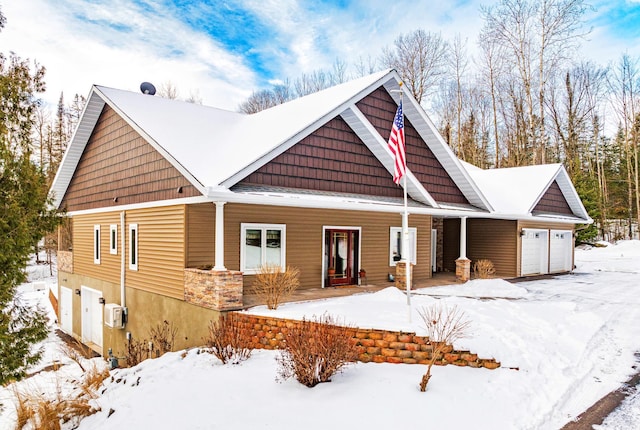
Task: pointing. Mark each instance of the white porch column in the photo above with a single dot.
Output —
(463, 238)
(219, 247)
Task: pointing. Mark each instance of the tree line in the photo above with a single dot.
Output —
(518, 95)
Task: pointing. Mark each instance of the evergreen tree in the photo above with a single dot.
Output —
(25, 214)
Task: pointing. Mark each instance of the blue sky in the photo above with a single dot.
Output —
(223, 50)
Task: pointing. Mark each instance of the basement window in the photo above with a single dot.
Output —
(262, 244)
(133, 246)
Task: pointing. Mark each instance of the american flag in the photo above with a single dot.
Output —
(396, 145)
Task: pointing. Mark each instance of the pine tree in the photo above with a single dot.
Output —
(25, 214)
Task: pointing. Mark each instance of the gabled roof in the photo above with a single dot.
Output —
(214, 148)
(517, 190)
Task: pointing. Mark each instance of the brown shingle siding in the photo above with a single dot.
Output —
(553, 202)
(333, 159)
(379, 108)
(118, 162)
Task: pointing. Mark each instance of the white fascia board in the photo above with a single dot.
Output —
(355, 204)
(146, 205)
(372, 139)
(175, 163)
(78, 143)
(432, 138)
(304, 132)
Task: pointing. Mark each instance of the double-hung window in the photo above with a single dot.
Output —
(262, 244)
(395, 245)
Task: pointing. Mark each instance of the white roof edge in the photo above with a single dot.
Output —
(75, 149)
(304, 132)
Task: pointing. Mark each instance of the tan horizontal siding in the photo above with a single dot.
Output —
(304, 239)
(451, 244)
(200, 244)
(161, 233)
(495, 240)
(109, 267)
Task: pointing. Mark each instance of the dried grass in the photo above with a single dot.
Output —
(273, 286)
(483, 269)
(316, 350)
(444, 326)
(36, 411)
(227, 341)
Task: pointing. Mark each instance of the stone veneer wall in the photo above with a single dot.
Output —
(211, 289)
(378, 346)
(65, 261)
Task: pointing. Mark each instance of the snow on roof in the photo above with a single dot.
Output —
(213, 144)
(514, 190)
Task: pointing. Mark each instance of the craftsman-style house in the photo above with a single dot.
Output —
(174, 206)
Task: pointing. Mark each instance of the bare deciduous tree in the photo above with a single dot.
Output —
(421, 58)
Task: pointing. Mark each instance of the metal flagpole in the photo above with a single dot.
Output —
(405, 230)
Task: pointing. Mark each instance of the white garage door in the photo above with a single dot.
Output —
(91, 316)
(66, 310)
(535, 252)
(560, 247)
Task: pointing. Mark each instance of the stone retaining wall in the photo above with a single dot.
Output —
(378, 346)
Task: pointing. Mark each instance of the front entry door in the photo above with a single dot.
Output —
(341, 247)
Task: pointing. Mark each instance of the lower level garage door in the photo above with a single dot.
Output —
(560, 247)
(535, 252)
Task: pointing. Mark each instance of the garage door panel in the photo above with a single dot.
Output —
(534, 252)
(560, 251)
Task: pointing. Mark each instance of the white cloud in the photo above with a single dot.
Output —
(159, 48)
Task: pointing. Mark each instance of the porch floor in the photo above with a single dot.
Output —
(307, 294)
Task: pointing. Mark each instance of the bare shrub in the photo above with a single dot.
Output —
(136, 351)
(316, 350)
(483, 269)
(227, 341)
(163, 337)
(161, 340)
(273, 286)
(444, 325)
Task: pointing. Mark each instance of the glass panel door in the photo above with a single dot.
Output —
(341, 247)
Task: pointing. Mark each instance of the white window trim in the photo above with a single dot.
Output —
(264, 227)
(133, 249)
(413, 237)
(113, 239)
(96, 244)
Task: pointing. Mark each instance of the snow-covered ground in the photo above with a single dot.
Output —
(563, 344)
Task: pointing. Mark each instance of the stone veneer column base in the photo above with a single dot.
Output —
(401, 275)
(463, 269)
(65, 261)
(217, 290)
